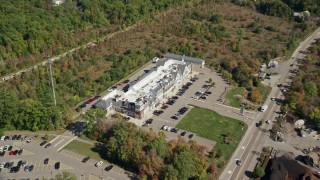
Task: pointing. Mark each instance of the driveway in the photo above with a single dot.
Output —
(187, 100)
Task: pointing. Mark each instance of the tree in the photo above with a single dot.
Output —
(311, 89)
(315, 116)
(255, 95)
(65, 175)
(258, 172)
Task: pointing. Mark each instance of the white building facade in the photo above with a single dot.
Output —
(150, 89)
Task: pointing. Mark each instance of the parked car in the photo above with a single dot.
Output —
(18, 137)
(2, 138)
(48, 145)
(6, 147)
(2, 153)
(14, 137)
(15, 152)
(98, 164)
(149, 121)
(10, 148)
(175, 130)
(46, 161)
(2, 165)
(31, 168)
(183, 133)
(29, 140)
(57, 165)
(108, 168)
(84, 160)
(26, 168)
(43, 143)
(174, 117)
(190, 136)
(20, 151)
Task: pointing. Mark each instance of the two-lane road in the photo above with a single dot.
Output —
(254, 137)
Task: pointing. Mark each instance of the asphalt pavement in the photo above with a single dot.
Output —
(255, 138)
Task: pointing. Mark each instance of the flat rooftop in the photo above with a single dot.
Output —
(145, 84)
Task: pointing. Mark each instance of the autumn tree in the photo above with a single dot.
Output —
(255, 96)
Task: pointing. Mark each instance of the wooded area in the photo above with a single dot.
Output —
(150, 155)
(32, 30)
(304, 99)
(234, 42)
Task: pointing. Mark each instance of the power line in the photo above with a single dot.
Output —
(52, 84)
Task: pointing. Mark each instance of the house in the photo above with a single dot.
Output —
(273, 64)
(58, 2)
(301, 15)
(148, 90)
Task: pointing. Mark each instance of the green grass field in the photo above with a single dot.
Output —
(210, 125)
(84, 149)
(232, 98)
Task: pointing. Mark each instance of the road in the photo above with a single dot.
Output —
(58, 57)
(210, 103)
(35, 154)
(255, 137)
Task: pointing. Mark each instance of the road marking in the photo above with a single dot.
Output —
(229, 172)
(58, 142)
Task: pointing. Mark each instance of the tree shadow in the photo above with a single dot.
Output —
(102, 151)
(249, 174)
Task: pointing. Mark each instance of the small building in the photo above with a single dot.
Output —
(301, 15)
(58, 2)
(273, 64)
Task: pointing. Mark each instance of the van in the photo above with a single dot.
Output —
(264, 108)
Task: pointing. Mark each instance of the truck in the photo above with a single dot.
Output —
(263, 108)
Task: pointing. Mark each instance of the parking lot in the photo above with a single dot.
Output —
(168, 115)
(31, 162)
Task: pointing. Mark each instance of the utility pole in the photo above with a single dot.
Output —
(52, 84)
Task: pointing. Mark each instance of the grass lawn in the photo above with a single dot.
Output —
(210, 125)
(84, 149)
(232, 98)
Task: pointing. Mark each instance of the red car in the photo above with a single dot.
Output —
(11, 153)
(125, 82)
(119, 84)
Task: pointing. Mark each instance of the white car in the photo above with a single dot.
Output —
(1, 148)
(6, 147)
(2, 138)
(98, 164)
(29, 140)
(239, 162)
(2, 165)
(273, 98)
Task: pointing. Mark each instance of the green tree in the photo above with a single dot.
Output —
(258, 172)
(311, 89)
(315, 116)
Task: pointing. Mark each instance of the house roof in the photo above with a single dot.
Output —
(185, 58)
(314, 157)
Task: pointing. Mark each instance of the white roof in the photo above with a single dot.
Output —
(147, 82)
